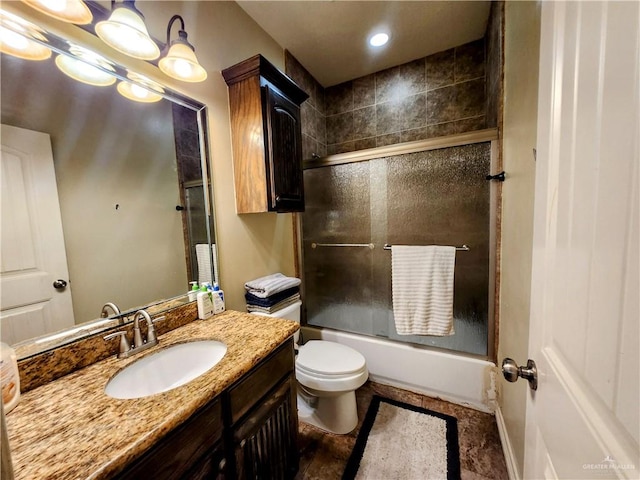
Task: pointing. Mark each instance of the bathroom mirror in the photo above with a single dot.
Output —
(130, 191)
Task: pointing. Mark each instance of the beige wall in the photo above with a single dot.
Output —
(249, 245)
(522, 34)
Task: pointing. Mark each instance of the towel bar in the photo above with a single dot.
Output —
(368, 245)
(463, 248)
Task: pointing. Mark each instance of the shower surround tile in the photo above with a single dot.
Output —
(339, 98)
(340, 128)
(312, 112)
(364, 122)
(388, 119)
(364, 91)
(469, 63)
(441, 94)
(441, 105)
(440, 69)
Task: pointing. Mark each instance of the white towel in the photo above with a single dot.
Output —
(422, 285)
(265, 286)
(204, 264)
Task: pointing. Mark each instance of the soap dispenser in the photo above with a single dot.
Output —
(193, 293)
(218, 299)
(205, 303)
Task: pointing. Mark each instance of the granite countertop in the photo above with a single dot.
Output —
(71, 429)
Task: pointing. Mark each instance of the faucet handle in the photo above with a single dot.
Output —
(151, 331)
(124, 344)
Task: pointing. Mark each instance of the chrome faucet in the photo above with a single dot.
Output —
(126, 350)
(106, 307)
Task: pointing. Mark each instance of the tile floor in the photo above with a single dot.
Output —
(323, 456)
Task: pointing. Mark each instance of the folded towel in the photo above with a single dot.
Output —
(274, 308)
(204, 264)
(266, 286)
(271, 299)
(422, 286)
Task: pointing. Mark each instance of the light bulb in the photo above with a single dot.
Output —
(13, 39)
(55, 5)
(183, 68)
(379, 39)
(138, 91)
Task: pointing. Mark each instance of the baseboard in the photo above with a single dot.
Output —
(507, 449)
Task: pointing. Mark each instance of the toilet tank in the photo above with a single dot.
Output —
(292, 312)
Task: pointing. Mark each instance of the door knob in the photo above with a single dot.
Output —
(59, 284)
(512, 371)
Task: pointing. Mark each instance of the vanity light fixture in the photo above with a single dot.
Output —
(143, 90)
(17, 38)
(72, 11)
(379, 39)
(126, 32)
(83, 67)
(179, 60)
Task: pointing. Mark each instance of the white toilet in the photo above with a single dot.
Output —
(328, 374)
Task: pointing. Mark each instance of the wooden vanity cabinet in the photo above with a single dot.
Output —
(249, 431)
(266, 134)
(197, 441)
(264, 420)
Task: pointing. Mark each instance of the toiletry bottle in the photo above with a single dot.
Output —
(193, 293)
(9, 378)
(218, 299)
(205, 303)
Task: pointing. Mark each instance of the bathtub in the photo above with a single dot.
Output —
(456, 378)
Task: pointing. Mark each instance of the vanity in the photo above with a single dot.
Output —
(237, 420)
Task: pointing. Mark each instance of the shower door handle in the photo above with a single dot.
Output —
(512, 372)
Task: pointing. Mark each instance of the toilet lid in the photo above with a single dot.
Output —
(329, 358)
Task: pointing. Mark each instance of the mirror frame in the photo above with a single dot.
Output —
(59, 44)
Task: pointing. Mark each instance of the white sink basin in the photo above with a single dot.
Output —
(166, 369)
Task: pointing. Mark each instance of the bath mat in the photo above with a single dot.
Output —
(400, 441)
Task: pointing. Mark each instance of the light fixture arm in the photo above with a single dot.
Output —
(130, 4)
(182, 34)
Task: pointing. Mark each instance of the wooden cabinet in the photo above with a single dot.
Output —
(266, 135)
(198, 439)
(249, 431)
(264, 420)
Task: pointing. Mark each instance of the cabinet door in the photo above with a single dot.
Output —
(211, 467)
(266, 441)
(284, 152)
(186, 446)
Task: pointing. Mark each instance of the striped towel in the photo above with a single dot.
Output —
(204, 264)
(264, 287)
(422, 285)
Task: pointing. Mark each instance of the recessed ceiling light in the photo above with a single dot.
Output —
(379, 39)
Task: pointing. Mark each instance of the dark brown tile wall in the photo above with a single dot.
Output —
(314, 136)
(442, 94)
(494, 49)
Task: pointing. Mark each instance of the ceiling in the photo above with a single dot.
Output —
(329, 38)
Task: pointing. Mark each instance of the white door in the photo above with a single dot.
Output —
(582, 422)
(32, 253)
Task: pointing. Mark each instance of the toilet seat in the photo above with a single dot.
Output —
(330, 366)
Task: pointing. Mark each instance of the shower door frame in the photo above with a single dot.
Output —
(481, 136)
